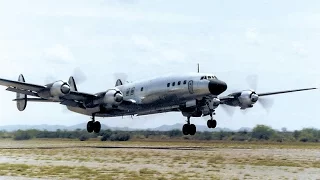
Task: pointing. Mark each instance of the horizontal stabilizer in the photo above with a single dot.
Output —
(33, 100)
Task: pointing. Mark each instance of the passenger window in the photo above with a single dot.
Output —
(173, 84)
(132, 91)
(168, 85)
(128, 92)
(179, 83)
(185, 82)
(141, 88)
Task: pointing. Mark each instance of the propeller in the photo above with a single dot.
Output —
(229, 110)
(266, 103)
(78, 75)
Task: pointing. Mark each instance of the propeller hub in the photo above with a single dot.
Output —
(254, 97)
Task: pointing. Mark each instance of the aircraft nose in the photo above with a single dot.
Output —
(217, 87)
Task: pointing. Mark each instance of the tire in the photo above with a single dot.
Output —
(90, 126)
(96, 127)
(185, 129)
(213, 123)
(193, 129)
(209, 124)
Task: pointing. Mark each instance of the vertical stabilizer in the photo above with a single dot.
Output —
(72, 84)
(21, 98)
(119, 82)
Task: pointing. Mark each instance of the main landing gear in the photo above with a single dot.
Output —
(189, 128)
(211, 123)
(93, 126)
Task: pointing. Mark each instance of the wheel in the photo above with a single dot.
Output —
(213, 123)
(209, 123)
(185, 129)
(96, 127)
(90, 126)
(193, 129)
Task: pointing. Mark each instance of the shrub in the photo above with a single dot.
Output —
(120, 137)
(262, 132)
(22, 135)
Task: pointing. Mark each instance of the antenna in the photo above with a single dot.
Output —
(198, 68)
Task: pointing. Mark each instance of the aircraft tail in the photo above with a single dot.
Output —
(119, 82)
(72, 84)
(21, 98)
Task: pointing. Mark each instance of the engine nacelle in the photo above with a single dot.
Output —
(113, 97)
(215, 103)
(248, 98)
(59, 89)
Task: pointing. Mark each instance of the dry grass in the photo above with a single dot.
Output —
(151, 160)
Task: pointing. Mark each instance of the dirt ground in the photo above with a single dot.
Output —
(61, 159)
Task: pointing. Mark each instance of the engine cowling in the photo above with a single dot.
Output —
(113, 97)
(248, 98)
(59, 89)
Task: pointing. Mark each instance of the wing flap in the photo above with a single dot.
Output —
(26, 92)
(79, 96)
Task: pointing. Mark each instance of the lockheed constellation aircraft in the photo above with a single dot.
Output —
(194, 95)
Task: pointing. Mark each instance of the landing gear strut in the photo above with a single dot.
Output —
(211, 123)
(189, 128)
(93, 126)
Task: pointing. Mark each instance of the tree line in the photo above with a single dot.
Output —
(258, 133)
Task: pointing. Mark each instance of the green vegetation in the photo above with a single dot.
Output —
(259, 133)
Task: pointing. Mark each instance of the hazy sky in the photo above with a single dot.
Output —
(278, 40)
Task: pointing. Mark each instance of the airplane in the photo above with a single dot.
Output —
(192, 94)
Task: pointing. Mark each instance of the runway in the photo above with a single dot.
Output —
(64, 159)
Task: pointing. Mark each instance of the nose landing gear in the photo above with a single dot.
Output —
(93, 126)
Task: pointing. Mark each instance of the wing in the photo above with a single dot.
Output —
(283, 92)
(22, 87)
(34, 89)
(231, 99)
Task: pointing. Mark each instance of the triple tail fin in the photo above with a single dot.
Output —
(72, 84)
(21, 98)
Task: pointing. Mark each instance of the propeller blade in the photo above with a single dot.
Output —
(228, 109)
(266, 103)
(77, 74)
(252, 81)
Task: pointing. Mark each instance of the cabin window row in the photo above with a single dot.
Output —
(131, 91)
(178, 83)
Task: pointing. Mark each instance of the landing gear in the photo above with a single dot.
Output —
(211, 123)
(93, 126)
(189, 128)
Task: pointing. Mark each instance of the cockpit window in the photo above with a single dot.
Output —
(208, 77)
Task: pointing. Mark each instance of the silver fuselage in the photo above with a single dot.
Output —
(154, 95)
